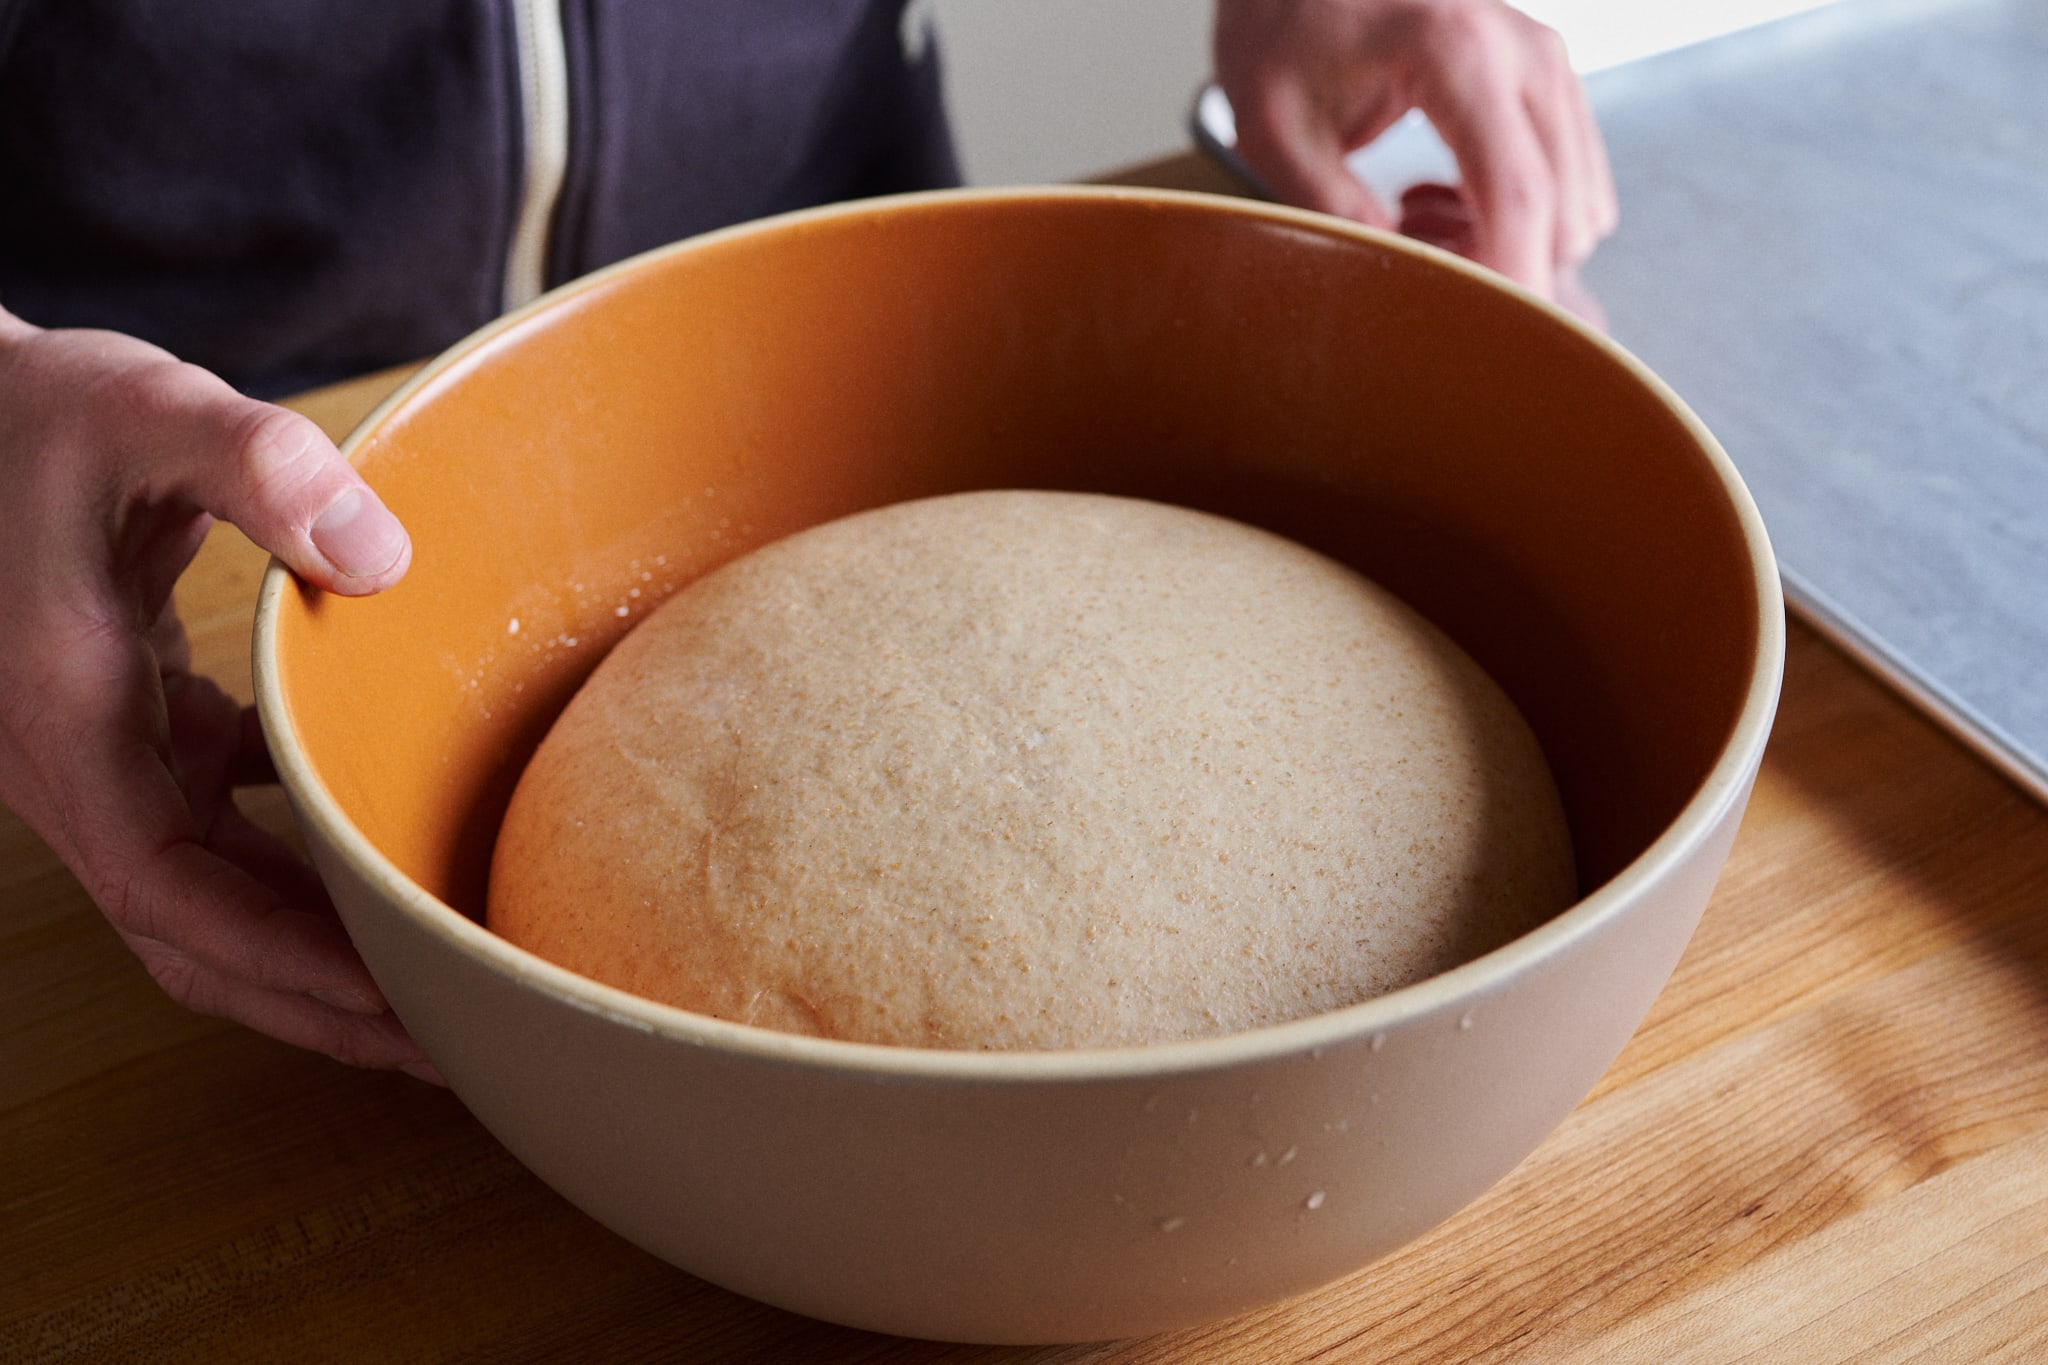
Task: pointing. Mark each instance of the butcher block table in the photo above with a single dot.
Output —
(1828, 1141)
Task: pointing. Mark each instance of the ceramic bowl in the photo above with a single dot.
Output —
(1511, 473)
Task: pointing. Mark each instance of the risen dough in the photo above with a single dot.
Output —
(1029, 770)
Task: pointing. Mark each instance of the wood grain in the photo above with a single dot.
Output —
(1828, 1142)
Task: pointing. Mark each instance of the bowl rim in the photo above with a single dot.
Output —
(1461, 988)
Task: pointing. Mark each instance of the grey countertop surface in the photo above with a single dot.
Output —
(1835, 247)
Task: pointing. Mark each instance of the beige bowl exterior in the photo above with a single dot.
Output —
(1518, 477)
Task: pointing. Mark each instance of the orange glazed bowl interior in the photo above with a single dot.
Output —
(1513, 475)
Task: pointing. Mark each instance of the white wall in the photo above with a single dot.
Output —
(1045, 90)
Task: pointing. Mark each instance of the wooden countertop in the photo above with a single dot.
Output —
(1829, 1140)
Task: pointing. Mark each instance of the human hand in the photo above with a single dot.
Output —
(1311, 81)
(114, 460)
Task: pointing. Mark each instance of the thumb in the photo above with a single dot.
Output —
(275, 475)
(1290, 142)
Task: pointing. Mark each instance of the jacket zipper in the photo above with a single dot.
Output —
(544, 112)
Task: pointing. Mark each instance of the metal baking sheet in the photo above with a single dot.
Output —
(1835, 247)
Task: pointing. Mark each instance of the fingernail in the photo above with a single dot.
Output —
(425, 1071)
(359, 537)
(355, 1002)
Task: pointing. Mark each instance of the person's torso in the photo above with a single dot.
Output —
(290, 193)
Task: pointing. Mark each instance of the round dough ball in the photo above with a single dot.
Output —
(1029, 770)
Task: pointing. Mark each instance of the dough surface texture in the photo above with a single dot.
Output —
(1029, 770)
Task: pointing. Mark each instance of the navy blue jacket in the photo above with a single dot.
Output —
(290, 191)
